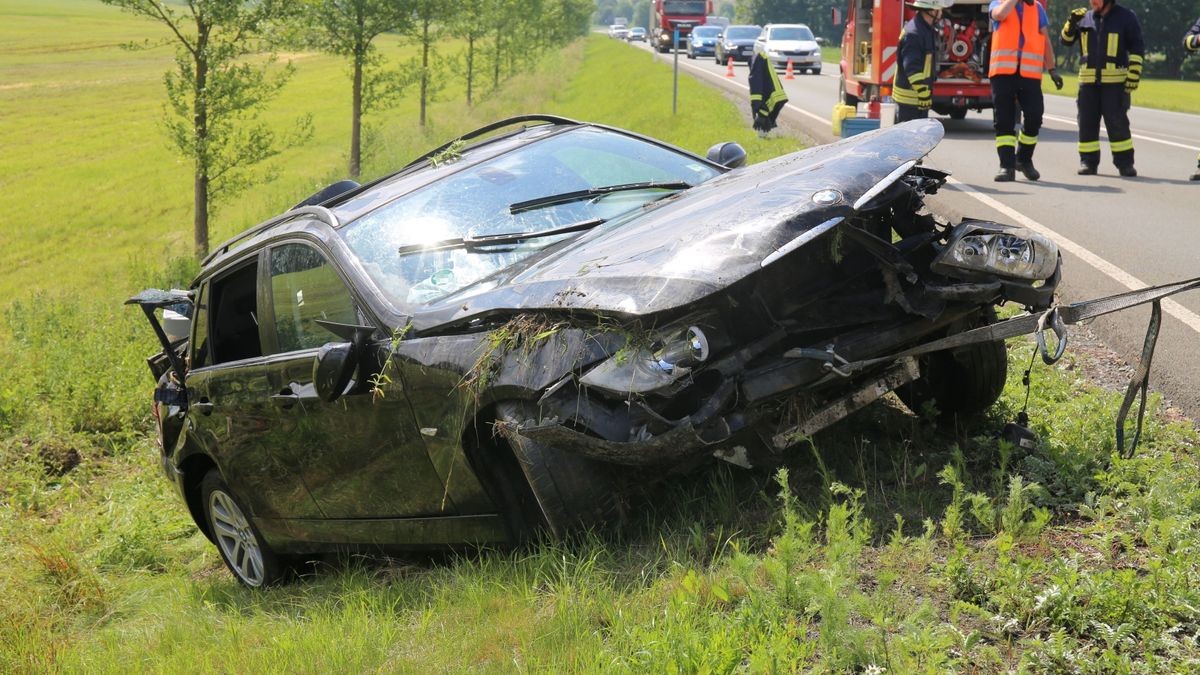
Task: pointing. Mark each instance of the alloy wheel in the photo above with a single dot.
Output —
(236, 539)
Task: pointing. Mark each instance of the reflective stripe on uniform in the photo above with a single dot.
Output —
(1118, 146)
(1026, 139)
(1006, 141)
(1089, 146)
(1114, 40)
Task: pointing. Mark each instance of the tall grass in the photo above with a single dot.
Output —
(890, 544)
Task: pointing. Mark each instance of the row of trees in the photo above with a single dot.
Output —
(224, 74)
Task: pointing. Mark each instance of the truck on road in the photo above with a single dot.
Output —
(869, 54)
(669, 16)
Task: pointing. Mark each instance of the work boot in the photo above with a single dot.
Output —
(1127, 171)
(1196, 176)
(1086, 169)
(1027, 169)
(1005, 175)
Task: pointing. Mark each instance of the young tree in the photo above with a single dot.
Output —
(473, 27)
(428, 17)
(214, 96)
(348, 28)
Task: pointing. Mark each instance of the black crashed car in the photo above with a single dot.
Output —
(493, 340)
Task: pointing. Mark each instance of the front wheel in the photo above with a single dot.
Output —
(569, 491)
(963, 381)
(958, 113)
(239, 542)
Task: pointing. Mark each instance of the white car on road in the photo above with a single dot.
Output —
(790, 41)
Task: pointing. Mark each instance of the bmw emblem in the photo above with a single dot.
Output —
(827, 197)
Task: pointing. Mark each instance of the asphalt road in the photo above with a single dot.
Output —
(1116, 233)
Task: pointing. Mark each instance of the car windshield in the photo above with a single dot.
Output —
(706, 31)
(791, 33)
(399, 243)
(638, 31)
(742, 32)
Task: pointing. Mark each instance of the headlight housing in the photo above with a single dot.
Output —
(640, 370)
(982, 248)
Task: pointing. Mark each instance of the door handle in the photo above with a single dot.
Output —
(203, 406)
(285, 399)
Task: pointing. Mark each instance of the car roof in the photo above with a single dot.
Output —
(786, 25)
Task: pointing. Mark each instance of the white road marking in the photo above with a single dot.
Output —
(1189, 318)
(1140, 137)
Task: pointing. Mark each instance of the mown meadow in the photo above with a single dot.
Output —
(888, 544)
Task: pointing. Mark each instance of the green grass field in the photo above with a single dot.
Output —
(889, 545)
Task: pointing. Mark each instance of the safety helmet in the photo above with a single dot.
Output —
(926, 4)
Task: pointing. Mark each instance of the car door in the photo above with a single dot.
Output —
(228, 392)
(360, 456)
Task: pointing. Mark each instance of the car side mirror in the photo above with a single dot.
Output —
(337, 361)
(820, 40)
(728, 154)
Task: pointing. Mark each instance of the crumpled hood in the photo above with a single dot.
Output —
(697, 242)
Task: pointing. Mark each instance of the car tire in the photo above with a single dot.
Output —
(958, 113)
(569, 491)
(239, 542)
(816, 71)
(960, 382)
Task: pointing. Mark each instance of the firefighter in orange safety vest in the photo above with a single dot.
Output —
(912, 89)
(1191, 42)
(1110, 68)
(1021, 52)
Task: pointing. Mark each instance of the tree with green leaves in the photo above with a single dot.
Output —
(348, 28)
(472, 27)
(429, 21)
(214, 94)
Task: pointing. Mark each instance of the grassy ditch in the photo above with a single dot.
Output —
(888, 544)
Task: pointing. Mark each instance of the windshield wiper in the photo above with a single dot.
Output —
(498, 239)
(579, 195)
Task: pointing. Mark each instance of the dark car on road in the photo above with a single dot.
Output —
(736, 42)
(703, 41)
(497, 339)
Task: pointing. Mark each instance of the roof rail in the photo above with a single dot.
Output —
(320, 212)
(508, 121)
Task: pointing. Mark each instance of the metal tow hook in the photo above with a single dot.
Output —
(1060, 331)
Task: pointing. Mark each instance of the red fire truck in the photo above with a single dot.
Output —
(669, 15)
(869, 51)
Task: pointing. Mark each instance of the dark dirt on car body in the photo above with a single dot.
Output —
(491, 341)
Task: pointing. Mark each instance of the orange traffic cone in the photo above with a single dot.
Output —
(729, 68)
(789, 75)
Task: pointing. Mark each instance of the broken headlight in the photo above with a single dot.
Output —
(992, 248)
(640, 370)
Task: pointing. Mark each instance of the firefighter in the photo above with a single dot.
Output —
(913, 87)
(1191, 42)
(1110, 68)
(766, 93)
(1021, 52)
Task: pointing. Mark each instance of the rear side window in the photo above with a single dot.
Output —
(200, 341)
(305, 288)
(233, 316)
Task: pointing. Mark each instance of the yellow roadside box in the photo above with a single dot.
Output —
(840, 112)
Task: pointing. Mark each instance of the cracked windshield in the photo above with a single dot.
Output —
(426, 245)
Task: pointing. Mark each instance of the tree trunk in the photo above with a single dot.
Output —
(356, 117)
(424, 67)
(200, 129)
(470, 65)
(496, 69)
